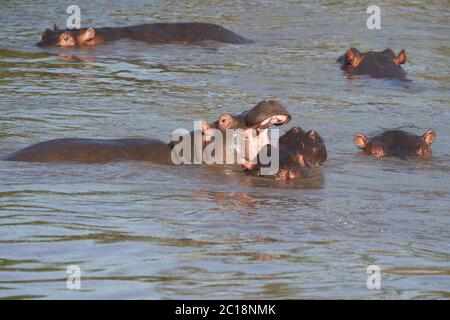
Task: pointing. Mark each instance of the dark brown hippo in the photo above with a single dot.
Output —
(378, 64)
(298, 152)
(94, 150)
(396, 143)
(155, 33)
(259, 118)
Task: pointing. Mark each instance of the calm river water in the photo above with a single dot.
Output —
(139, 230)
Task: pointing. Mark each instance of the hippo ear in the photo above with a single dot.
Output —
(355, 51)
(361, 140)
(88, 34)
(204, 126)
(312, 134)
(429, 136)
(400, 58)
(353, 56)
(46, 33)
(55, 27)
(207, 130)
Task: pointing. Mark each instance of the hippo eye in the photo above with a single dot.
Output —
(65, 37)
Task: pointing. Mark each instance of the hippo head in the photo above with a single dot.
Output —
(309, 144)
(69, 38)
(378, 64)
(396, 143)
(252, 124)
(299, 150)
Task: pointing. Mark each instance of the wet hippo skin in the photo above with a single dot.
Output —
(378, 64)
(154, 33)
(94, 150)
(264, 114)
(299, 151)
(396, 143)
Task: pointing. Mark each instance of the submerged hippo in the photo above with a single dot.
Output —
(397, 143)
(155, 33)
(259, 118)
(299, 151)
(378, 64)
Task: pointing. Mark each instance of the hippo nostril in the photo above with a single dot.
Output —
(293, 175)
(281, 175)
(377, 151)
(423, 151)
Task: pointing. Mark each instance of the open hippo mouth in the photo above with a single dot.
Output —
(261, 117)
(250, 128)
(274, 120)
(257, 122)
(266, 114)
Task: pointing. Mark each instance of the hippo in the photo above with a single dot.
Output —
(94, 151)
(252, 124)
(299, 152)
(378, 64)
(259, 118)
(154, 33)
(396, 143)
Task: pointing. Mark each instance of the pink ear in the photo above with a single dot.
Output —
(353, 57)
(400, 58)
(361, 140)
(429, 136)
(350, 54)
(207, 129)
(88, 34)
(312, 133)
(204, 126)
